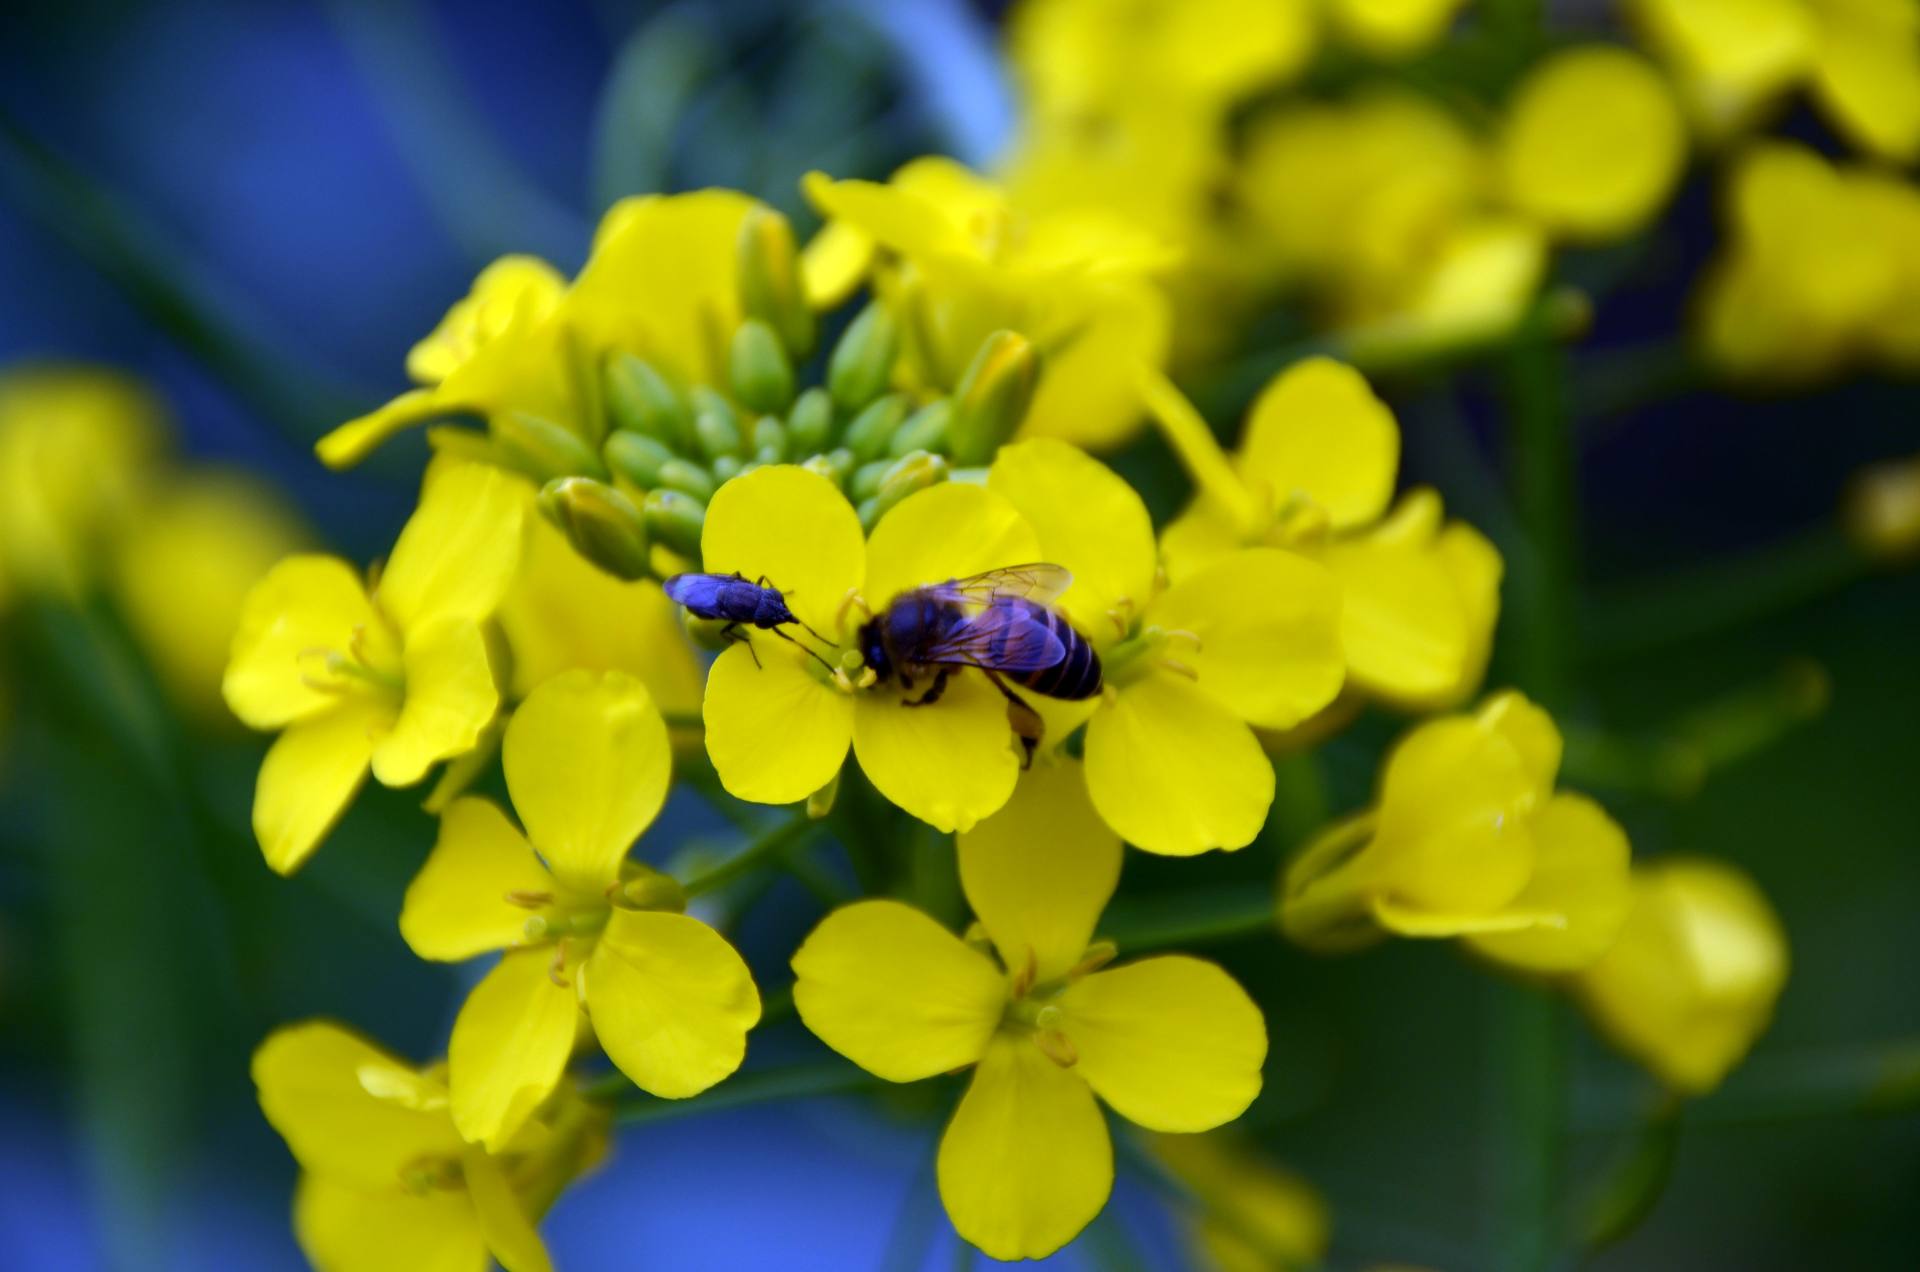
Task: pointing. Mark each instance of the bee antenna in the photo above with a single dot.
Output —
(799, 644)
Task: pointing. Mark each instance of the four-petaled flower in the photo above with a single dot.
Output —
(1170, 1043)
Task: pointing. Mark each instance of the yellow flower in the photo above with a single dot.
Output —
(77, 447)
(394, 679)
(1592, 144)
(1170, 1043)
(386, 1182)
(563, 613)
(1737, 58)
(1821, 269)
(1252, 1216)
(779, 723)
(957, 262)
(1470, 839)
(1314, 473)
(203, 540)
(1692, 980)
(661, 283)
(670, 1001)
(1391, 29)
(1249, 640)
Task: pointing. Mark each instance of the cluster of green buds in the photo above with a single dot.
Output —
(668, 447)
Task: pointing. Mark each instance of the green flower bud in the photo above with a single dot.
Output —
(716, 425)
(769, 439)
(544, 449)
(602, 524)
(925, 430)
(770, 287)
(676, 518)
(862, 363)
(641, 400)
(726, 468)
(904, 476)
(758, 368)
(637, 457)
(684, 474)
(993, 397)
(873, 428)
(810, 422)
(866, 479)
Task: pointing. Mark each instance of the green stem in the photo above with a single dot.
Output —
(800, 1082)
(790, 833)
(1527, 1064)
(1194, 917)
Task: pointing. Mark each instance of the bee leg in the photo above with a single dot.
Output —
(1023, 719)
(934, 690)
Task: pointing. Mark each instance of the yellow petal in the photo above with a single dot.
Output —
(587, 764)
(563, 613)
(1529, 730)
(904, 220)
(1204, 533)
(834, 263)
(1174, 772)
(311, 774)
(896, 993)
(671, 1001)
(1186, 430)
(353, 441)
(1867, 75)
(342, 1228)
(1086, 395)
(509, 1046)
(1476, 568)
(320, 1087)
(1693, 977)
(1392, 29)
(1318, 432)
(1039, 872)
(1087, 519)
(457, 906)
(507, 293)
(795, 529)
(509, 1233)
(948, 531)
(950, 762)
(662, 281)
(1026, 1162)
(1268, 629)
(1580, 877)
(450, 700)
(304, 603)
(1593, 143)
(776, 732)
(1172, 1043)
(1403, 623)
(458, 552)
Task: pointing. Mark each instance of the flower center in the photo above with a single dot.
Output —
(1147, 649)
(370, 663)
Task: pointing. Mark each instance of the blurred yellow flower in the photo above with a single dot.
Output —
(956, 261)
(396, 678)
(1882, 510)
(670, 1001)
(1821, 270)
(181, 576)
(1314, 473)
(524, 350)
(779, 722)
(1391, 29)
(1736, 59)
(1170, 1043)
(1592, 144)
(78, 448)
(1693, 978)
(1248, 640)
(1469, 838)
(1251, 1215)
(386, 1182)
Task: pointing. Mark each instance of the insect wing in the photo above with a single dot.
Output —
(1038, 581)
(999, 638)
(697, 592)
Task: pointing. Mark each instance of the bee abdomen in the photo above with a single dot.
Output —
(1075, 676)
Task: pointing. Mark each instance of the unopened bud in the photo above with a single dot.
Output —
(684, 474)
(726, 468)
(770, 287)
(642, 400)
(1882, 510)
(866, 479)
(602, 524)
(911, 473)
(759, 369)
(925, 430)
(543, 449)
(862, 363)
(810, 422)
(676, 518)
(650, 890)
(993, 397)
(833, 465)
(716, 426)
(637, 457)
(820, 803)
(769, 439)
(873, 428)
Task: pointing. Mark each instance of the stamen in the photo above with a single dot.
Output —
(1180, 668)
(1057, 1047)
(529, 900)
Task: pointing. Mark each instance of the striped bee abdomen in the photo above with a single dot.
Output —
(1075, 676)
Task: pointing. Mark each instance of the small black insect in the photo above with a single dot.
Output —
(731, 599)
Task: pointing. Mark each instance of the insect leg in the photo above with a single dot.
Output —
(814, 653)
(934, 690)
(732, 632)
(1022, 718)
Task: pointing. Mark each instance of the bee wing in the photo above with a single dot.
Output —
(1036, 581)
(694, 591)
(999, 638)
